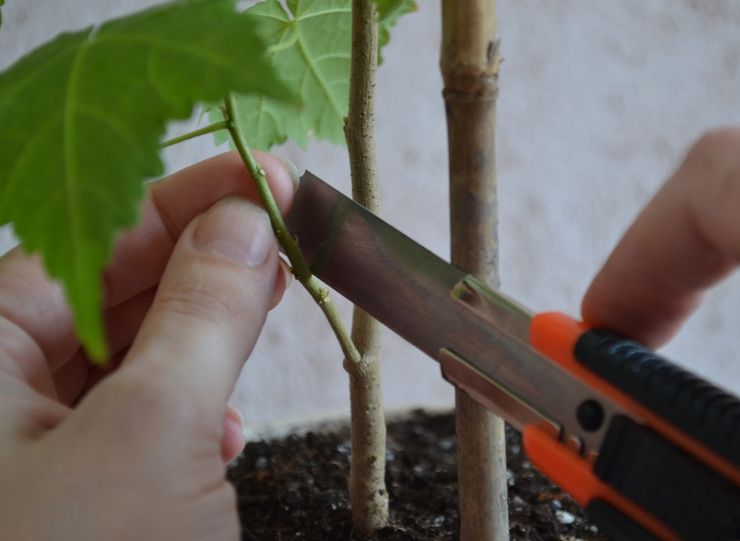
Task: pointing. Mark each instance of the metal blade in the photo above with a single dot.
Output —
(478, 335)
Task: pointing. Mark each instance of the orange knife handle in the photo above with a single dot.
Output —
(670, 469)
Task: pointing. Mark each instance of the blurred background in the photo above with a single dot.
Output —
(598, 103)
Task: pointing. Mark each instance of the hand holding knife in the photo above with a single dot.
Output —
(650, 450)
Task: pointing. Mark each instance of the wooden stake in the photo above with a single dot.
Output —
(470, 64)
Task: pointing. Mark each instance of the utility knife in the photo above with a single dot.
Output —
(650, 450)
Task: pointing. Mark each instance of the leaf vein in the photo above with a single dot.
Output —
(270, 16)
(23, 156)
(316, 73)
(331, 56)
(311, 14)
(70, 165)
(38, 70)
(113, 123)
(175, 46)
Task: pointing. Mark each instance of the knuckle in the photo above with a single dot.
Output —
(207, 298)
(144, 396)
(159, 399)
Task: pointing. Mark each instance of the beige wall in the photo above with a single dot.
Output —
(598, 102)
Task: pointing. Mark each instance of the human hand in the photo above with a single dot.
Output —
(685, 240)
(139, 451)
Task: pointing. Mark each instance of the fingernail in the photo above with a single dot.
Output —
(295, 176)
(234, 416)
(237, 230)
(288, 272)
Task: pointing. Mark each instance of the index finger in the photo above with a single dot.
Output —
(685, 240)
(173, 202)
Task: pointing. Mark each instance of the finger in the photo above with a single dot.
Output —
(142, 254)
(284, 279)
(233, 440)
(122, 322)
(210, 306)
(685, 240)
(42, 327)
(21, 314)
(71, 378)
(97, 374)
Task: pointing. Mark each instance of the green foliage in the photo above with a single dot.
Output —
(310, 45)
(2, 3)
(81, 119)
(389, 11)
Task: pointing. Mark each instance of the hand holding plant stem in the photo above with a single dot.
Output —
(94, 116)
(299, 267)
(141, 447)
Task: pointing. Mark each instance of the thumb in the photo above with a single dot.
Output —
(210, 305)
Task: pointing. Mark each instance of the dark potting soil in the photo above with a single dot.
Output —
(296, 488)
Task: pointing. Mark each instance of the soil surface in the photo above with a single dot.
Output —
(296, 488)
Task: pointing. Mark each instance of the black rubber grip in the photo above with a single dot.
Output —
(691, 499)
(700, 409)
(615, 525)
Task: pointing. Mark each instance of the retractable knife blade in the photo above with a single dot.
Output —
(645, 446)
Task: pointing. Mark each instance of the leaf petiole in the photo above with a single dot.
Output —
(216, 126)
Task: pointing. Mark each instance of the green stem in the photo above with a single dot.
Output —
(321, 296)
(222, 125)
(301, 269)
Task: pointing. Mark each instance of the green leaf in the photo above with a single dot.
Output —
(81, 119)
(310, 46)
(389, 11)
(2, 3)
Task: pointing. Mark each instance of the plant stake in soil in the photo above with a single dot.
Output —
(469, 64)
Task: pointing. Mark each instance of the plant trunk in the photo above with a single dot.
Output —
(368, 494)
(470, 63)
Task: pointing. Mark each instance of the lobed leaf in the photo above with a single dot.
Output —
(310, 45)
(389, 11)
(81, 119)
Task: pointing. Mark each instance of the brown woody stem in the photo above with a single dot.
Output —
(367, 478)
(470, 66)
